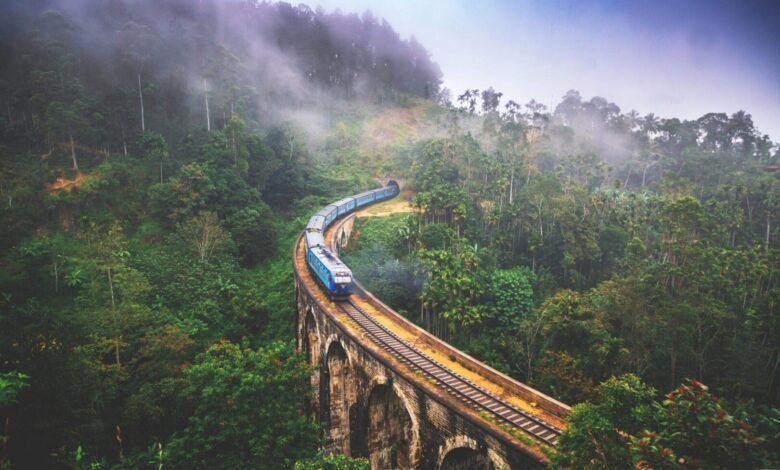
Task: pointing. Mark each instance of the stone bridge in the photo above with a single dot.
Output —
(372, 405)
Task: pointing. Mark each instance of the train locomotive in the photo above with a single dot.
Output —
(335, 276)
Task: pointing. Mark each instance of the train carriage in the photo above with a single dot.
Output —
(316, 224)
(388, 191)
(328, 213)
(333, 274)
(314, 239)
(365, 198)
(344, 206)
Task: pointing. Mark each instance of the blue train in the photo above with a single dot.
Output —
(334, 275)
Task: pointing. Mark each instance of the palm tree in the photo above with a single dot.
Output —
(741, 128)
(633, 120)
(649, 125)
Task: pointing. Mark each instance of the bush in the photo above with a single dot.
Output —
(254, 230)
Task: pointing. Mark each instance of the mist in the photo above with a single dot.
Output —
(269, 63)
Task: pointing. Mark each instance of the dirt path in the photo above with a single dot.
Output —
(65, 184)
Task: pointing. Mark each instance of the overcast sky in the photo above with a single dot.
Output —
(678, 58)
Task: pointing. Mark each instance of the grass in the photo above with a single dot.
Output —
(521, 436)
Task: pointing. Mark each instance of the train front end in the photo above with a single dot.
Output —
(342, 285)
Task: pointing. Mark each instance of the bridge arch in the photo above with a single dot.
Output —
(358, 417)
(343, 232)
(339, 395)
(464, 453)
(311, 337)
(310, 345)
(392, 434)
(466, 458)
(343, 239)
(358, 424)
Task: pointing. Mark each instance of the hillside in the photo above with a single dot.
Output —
(158, 159)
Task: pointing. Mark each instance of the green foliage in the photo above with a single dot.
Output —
(153, 457)
(152, 147)
(577, 344)
(271, 301)
(694, 430)
(766, 422)
(11, 383)
(246, 409)
(512, 296)
(81, 461)
(253, 229)
(203, 299)
(112, 295)
(203, 236)
(380, 231)
(332, 462)
(185, 194)
(599, 432)
(376, 254)
(624, 427)
(453, 283)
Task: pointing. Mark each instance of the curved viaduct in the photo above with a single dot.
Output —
(428, 406)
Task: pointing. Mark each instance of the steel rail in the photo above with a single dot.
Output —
(464, 389)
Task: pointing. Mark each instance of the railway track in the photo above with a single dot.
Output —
(465, 390)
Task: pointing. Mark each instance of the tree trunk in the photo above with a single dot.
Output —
(235, 150)
(541, 226)
(6, 438)
(73, 153)
(141, 98)
(206, 99)
(768, 228)
(119, 442)
(124, 140)
(56, 277)
(511, 186)
(116, 318)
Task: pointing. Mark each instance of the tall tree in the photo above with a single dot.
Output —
(137, 42)
(245, 410)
